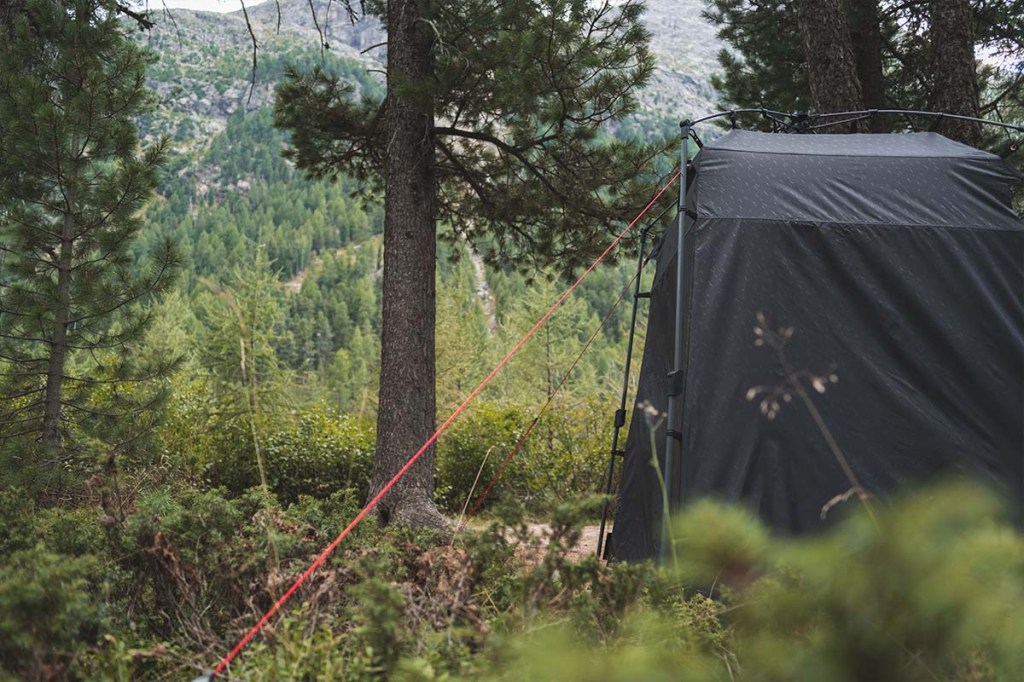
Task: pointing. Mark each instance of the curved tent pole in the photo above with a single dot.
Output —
(912, 112)
(789, 120)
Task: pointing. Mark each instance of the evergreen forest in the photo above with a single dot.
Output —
(197, 394)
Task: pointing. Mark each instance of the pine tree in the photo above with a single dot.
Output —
(955, 74)
(464, 343)
(865, 25)
(832, 71)
(243, 321)
(488, 126)
(903, 58)
(72, 184)
(765, 65)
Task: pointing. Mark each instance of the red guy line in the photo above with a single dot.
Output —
(430, 441)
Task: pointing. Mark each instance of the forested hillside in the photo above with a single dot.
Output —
(194, 330)
(227, 195)
(248, 224)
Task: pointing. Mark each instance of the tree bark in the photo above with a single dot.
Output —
(9, 11)
(53, 400)
(830, 63)
(406, 415)
(956, 83)
(866, 40)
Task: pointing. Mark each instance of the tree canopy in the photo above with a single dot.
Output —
(901, 50)
(520, 92)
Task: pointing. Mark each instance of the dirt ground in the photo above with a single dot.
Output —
(588, 541)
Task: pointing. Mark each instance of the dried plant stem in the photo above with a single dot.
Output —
(665, 509)
(793, 383)
(462, 514)
(830, 440)
(252, 403)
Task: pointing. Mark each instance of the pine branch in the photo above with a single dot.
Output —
(142, 19)
(505, 147)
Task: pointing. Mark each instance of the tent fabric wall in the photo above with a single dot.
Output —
(899, 264)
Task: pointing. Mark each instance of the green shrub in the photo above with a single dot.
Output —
(188, 558)
(16, 514)
(569, 457)
(202, 560)
(319, 456)
(27, 466)
(202, 429)
(592, 594)
(927, 588)
(48, 613)
(296, 652)
(311, 452)
(382, 608)
(76, 531)
(563, 458)
(471, 452)
(931, 588)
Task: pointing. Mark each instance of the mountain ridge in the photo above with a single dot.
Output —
(684, 45)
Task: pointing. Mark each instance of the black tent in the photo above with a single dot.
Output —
(898, 263)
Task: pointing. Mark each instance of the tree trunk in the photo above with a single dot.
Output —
(53, 396)
(406, 415)
(9, 11)
(956, 83)
(830, 64)
(866, 40)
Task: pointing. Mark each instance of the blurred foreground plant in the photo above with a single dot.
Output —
(932, 592)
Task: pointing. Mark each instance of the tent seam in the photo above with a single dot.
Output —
(981, 156)
(823, 223)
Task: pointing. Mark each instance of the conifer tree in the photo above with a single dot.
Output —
(955, 73)
(908, 55)
(867, 41)
(73, 181)
(832, 70)
(488, 127)
(764, 64)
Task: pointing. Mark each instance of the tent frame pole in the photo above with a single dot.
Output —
(620, 414)
(786, 120)
(673, 432)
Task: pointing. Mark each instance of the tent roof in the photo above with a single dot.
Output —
(894, 180)
(908, 145)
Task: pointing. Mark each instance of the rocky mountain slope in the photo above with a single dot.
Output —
(205, 64)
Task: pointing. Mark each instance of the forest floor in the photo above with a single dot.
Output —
(588, 538)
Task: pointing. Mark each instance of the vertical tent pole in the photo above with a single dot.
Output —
(620, 414)
(673, 433)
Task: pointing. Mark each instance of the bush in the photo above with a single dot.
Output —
(470, 453)
(48, 614)
(201, 560)
(926, 589)
(309, 453)
(569, 460)
(930, 588)
(191, 556)
(319, 456)
(16, 513)
(564, 457)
